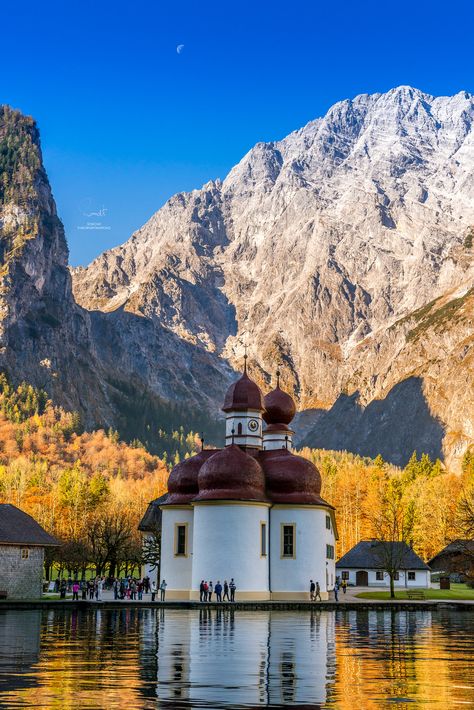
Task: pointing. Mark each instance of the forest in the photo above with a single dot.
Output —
(90, 489)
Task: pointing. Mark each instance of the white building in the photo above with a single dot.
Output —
(363, 565)
(251, 511)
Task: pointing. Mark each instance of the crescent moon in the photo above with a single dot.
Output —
(180, 48)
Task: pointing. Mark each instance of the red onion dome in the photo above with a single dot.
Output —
(290, 478)
(243, 394)
(183, 479)
(279, 407)
(231, 474)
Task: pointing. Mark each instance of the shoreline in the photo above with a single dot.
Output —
(397, 605)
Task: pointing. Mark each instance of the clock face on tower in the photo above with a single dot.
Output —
(253, 425)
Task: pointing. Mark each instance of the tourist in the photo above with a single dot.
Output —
(312, 590)
(206, 589)
(84, 590)
(317, 592)
(122, 589)
(218, 591)
(226, 591)
(90, 587)
(100, 588)
(209, 592)
(146, 585)
(201, 591)
(344, 585)
(163, 590)
(336, 591)
(153, 591)
(133, 590)
(75, 591)
(62, 589)
(232, 588)
(140, 590)
(57, 585)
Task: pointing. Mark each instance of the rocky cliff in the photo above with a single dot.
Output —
(343, 251)
(116, 369)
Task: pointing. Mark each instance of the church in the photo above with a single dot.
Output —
(251, 511)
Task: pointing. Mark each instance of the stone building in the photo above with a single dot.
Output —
(251, 511)
(22, 544)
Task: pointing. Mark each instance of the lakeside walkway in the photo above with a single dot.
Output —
(346, 602)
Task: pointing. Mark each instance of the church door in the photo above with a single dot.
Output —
(362, 578)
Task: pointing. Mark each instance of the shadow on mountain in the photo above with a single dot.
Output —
(393, 427)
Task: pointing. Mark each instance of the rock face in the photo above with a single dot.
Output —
(344, 252)
(319, 250)
(115, 369)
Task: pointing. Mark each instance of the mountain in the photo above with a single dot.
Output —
(115, 369)
(343, 252)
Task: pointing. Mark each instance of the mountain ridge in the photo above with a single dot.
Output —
(318, 250)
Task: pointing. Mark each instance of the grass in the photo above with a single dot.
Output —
(457, 591)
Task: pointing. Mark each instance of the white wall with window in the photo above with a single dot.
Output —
(176, 550)
(379, 578)
(302, 548)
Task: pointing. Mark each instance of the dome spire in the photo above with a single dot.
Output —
(245, 358)
(278, 373)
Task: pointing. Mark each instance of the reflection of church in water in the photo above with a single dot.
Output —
(252, 510)
(224, 658)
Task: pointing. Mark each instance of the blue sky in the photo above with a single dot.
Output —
(126, 121)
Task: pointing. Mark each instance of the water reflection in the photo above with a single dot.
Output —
(232, 659)
(250, 658)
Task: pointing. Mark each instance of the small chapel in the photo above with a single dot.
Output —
(251, 511)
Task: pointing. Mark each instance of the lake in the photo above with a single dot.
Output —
(172, 658)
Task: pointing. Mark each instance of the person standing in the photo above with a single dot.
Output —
(201, 591)
(312, 590)
(84, 590)
(218, 591)
(75, 591)
(226, 591)
(317, 592)
(153, 591)
(232, 588)
(336, 592)
(344, 585)
(209, 591)
(163, 590)
(100, 588)
(116, 588)
(206, 589)
(140, 590)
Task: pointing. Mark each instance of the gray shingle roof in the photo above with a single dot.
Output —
(19, 528)
(151, 521)
(367, 554)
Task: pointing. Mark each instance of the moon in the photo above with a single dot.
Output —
(180, 48)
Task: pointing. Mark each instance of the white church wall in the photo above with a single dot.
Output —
(277, 440)
(176, 569)
(290, 577)
(227, 544)
(247, 428)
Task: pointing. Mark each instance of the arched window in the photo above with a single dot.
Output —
(239, 429)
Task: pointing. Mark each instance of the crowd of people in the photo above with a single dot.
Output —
(122, 588)
(221, 592)
(130, 588)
